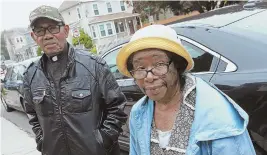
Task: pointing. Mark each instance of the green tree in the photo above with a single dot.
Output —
(39, 51)
(146, 8)
(93, 50)
(4, 51)
(83, 39)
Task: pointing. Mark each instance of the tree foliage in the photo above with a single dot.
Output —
(4, 51)
(86, 40)
(83, 39)
(93, 50)
(39, 51)
(146, 8)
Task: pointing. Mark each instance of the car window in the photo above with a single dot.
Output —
(19, 70)
(13, 75)
(202, 59)
(8, 73)
(110, 58)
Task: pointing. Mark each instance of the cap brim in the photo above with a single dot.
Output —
(151, 42)
(38, 17)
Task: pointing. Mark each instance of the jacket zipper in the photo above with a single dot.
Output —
(57, 86)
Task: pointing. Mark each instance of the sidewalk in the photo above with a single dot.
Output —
(14, 141)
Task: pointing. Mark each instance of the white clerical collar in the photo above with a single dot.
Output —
(54, 58)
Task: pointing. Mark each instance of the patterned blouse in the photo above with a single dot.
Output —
(181, 130)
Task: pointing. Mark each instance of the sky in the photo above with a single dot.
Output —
(15, 13)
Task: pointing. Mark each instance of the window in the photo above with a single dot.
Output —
(14, 75)
(86, 13)
(110, 58)
(121, 27)
(18, 71)
(95, 9)
(69, 13)
(116, 27)
(102, 30)
(93, 30)
(8, 74)
(21, 39)
(109, 7)
(122, 6)
(109, 28)
(17, 40)
(202, 59)
(78, 11)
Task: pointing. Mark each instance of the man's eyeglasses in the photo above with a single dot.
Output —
(159, 70)
(53, 29)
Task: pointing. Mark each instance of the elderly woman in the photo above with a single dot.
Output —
(180, 114)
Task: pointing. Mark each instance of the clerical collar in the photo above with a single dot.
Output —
(54, 58)
(58, 57)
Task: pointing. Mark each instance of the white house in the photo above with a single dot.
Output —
(104, 21)
(20, 45)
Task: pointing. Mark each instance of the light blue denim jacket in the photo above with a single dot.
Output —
(219, 126)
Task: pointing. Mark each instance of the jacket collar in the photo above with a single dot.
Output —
(217, 116)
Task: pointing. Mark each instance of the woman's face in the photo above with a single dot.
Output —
(157, 87)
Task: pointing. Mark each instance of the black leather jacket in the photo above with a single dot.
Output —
(84, 115)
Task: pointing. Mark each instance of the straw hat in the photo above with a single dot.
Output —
(153, 36)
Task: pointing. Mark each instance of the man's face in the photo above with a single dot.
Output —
(51, 44)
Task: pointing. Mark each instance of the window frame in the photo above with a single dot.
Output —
(119, 80)
(109, 29)
(122, 4)
(78, 13)
(106, 29)
(119, 28)
(93, 31)
(8, 74)
(97, 9)
(109, 7)
(231, 67)
(102, 30)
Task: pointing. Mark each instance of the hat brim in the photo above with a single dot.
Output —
(38, 17)
(147, 43)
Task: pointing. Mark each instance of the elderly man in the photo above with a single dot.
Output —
(75, 102)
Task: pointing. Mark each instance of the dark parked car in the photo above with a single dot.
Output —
(229, 48)
(12, 85)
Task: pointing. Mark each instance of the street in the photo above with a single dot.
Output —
(20, 120)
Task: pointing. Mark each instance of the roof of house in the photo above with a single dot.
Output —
(114, 16)
(67, 4)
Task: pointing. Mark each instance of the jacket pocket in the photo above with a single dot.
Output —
(80, 101)
(42, 102)
(104, 141)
